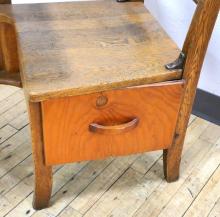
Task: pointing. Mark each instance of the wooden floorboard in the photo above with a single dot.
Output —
(115, 187)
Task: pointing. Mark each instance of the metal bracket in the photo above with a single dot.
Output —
(178, 64)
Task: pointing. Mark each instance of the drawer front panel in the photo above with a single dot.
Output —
(111, 123)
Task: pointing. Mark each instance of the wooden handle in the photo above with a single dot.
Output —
(115, 129)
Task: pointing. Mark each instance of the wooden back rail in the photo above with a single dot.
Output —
(194, 49)
(9, 64)
(5, 1)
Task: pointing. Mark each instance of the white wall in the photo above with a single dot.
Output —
(175, 17)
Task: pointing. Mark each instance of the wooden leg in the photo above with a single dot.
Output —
(43, 174)
(172, 156)
(171, 162)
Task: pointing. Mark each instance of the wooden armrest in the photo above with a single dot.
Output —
(13, 79)
(9, 61)
(5, 1)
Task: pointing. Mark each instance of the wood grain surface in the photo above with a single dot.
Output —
(9, 63)
(8, 47)
(43, 173)
(83, 47)
(98, 188)
(66, 121)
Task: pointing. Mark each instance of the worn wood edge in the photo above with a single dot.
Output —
(12, 79)
(37, 97)
(6, 19)
(43, 173)
(5, 1)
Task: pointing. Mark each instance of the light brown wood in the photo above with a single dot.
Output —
(106, 191)
(78, 48)
(9, 63)
(8, 45)
(66, 122)
(86, 49)
(43, 173)
(195, 49)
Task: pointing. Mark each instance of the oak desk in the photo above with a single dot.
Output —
(95, 83)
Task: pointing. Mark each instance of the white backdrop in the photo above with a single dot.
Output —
(175, 17)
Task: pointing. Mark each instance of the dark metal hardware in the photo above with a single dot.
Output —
(178, 63)
(120, 1)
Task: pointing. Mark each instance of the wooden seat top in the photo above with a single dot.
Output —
(77, 48)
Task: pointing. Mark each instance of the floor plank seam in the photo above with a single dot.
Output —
(12, 107)
(129, 167)
(14, 166)
(200, 190)
(13, 134)
(84, 187)
(217, 201)
(21, 180)
(10, 94)
(206, 140)
(18, 204)
(19, 128)
(70, 179)
(9, 136)
(184, 153)
(107, 190)
(29, 193)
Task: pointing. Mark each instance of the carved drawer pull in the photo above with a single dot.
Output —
(115, 129)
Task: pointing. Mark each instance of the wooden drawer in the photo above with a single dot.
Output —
(111, 123)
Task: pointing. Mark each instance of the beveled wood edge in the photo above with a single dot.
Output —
(4, 18)
(33, 97)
